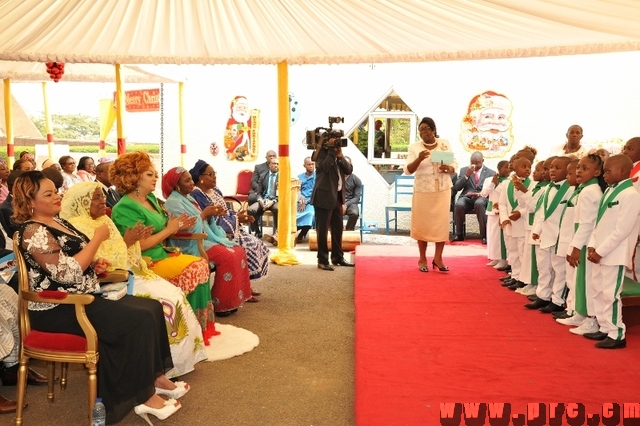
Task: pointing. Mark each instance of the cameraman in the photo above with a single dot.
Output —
(327, 199)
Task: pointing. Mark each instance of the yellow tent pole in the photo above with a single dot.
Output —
(47, 119)
(8, 119)
(120, 107)
(183, 147)
(284, 255)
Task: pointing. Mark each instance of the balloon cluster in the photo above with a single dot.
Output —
(55, 70)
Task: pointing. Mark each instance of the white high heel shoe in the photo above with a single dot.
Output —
(181, 389)
(162, 413)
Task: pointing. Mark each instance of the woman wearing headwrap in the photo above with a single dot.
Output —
(4, 174)
(231, 286)
(84, 207)
(134, 175)
(206, 193)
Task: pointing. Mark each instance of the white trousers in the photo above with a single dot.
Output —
(515, 251)
(607, 286)
(571, 286)
(559, 287)
(525, 263)
(545, 272)
(493, 237)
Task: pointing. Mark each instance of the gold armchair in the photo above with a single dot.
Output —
(53, 347)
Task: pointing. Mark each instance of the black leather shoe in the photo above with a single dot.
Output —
(516, 285)
(537, 304)
(505, 278)
(504, 268)
(507, 283)
(598, 335)
(457, 238)
(551, 307)
(342, 262)
(562, 314)
(610, 343)
(9, 377)
(484, 241)
(533, 297)
(325, 267)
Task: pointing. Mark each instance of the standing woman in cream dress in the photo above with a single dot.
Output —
(431, 194)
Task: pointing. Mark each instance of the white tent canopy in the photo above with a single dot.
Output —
(311, 31)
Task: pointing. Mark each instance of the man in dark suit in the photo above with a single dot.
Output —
(267, 199)
(327, 199)
(470, 182)
(259, 172)
(102, 176)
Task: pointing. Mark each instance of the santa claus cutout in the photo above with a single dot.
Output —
(241, 135)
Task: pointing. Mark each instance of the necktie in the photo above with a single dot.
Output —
(272, 186)
(476, 176)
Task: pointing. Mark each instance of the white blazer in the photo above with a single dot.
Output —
(516, 229)
(548, 229)
(585, 215)
(614, 237)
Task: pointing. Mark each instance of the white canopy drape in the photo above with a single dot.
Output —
(311, 31)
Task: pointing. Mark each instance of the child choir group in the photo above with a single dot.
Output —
(568, 232)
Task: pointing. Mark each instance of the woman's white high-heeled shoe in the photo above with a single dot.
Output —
(181, 389)
(161, 413)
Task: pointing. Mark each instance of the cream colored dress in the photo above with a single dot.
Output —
(431, 196)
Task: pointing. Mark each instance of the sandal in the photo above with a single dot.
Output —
(423, 267)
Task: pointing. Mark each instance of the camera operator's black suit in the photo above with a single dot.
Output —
(327, 202)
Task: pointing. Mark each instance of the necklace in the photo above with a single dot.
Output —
(430, 145)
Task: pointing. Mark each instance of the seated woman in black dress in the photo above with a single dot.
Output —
(133, 359)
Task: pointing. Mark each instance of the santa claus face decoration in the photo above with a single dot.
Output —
(486, 127)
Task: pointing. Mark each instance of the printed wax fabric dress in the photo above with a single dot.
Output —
(256, 250)
(187, 272)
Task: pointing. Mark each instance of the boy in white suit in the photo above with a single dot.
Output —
(566, 232)
(531, 199)
(580, 307)
(546, 227)
(512, 218)
(632, 150)
(610, 249)
(496, 252)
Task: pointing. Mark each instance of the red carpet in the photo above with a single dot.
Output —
(423, 339)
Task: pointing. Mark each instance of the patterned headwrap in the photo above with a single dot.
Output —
(170, 180)
(198, 169)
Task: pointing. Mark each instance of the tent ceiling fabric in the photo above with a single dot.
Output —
(97, 73)
(311, 31)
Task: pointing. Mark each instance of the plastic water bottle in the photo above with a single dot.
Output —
(99, 413)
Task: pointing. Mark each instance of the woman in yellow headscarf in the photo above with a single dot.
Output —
(84, 206)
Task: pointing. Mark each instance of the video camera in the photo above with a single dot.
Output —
(321, 135)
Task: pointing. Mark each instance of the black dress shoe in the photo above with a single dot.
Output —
(325, 267)
(484, 241)
(561, 314)
(551, 307)
(598, 335)
(533, 297)
(457, 238)
(516, 285)
(506, 277)
(9, 377)
(342, 262)
(610, 343)
(537, 304)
